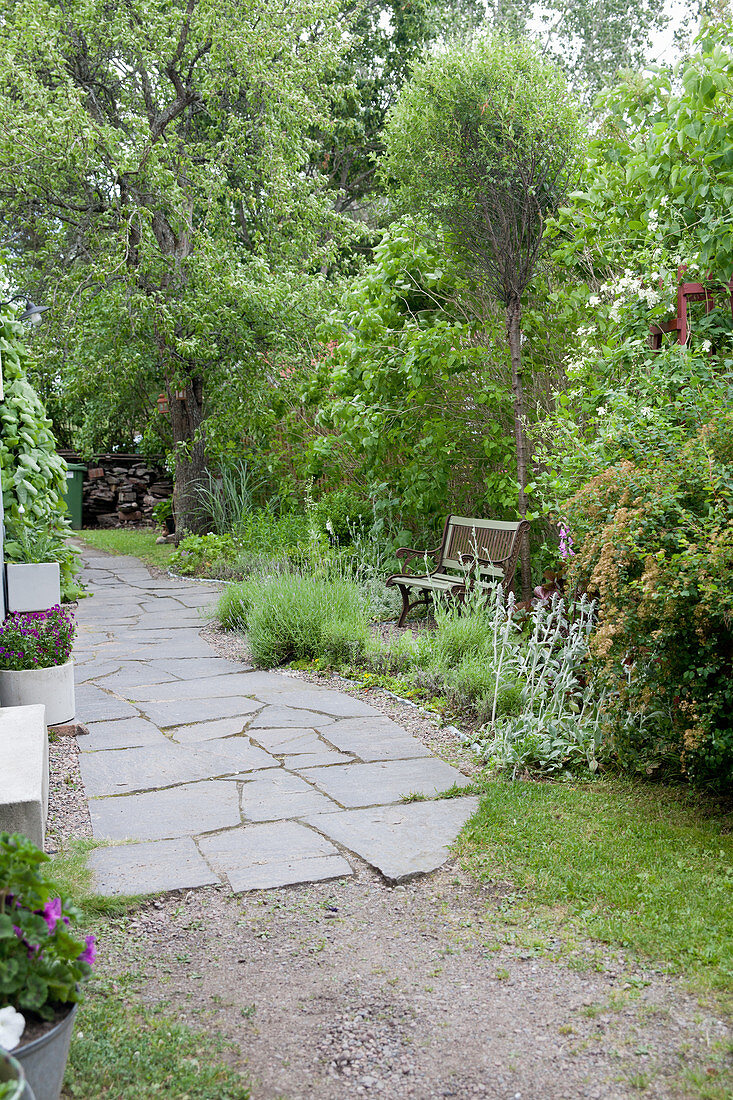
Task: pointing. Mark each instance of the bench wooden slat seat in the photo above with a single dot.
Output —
(473, 553)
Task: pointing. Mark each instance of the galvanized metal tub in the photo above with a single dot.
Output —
(44, 1059)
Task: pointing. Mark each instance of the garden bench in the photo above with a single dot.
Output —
(472, 553)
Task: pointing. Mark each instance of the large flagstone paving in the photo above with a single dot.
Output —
(201, 770)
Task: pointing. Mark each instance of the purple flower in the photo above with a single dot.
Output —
(89, 953)
(52, 913)
(566, 542)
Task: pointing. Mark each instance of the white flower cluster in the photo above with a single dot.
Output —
(630, 286)
(574, 368)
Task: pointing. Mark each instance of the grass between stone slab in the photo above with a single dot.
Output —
(647, 868)
(71, 872)
(122, 1049)
(137, 542)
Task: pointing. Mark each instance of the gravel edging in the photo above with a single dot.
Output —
(68, 811)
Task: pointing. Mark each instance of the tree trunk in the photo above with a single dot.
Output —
(187, 416)
(514, 335)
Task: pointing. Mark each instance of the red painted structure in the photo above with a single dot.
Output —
(686, 292)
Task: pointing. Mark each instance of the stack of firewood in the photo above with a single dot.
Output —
(122, 490)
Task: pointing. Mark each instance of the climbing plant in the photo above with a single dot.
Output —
(33, 474)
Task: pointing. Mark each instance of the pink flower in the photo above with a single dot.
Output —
(52, 913)
(89, 953)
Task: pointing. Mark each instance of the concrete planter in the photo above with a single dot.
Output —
(24, 772)
(33, 587)
(44, 1060)
(53, 687)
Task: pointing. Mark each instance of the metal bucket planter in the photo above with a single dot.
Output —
(52, 686)
(44, 1059)
(12, 1071)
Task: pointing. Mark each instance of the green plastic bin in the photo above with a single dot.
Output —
(73, 494)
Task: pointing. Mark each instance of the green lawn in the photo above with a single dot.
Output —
(123, 1050)
(640, 866)
(140, 543)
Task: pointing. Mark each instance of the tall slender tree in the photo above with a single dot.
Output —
(486, 138)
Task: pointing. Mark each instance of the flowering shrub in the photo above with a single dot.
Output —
(42, 962)
(654, 541)
(36, 639)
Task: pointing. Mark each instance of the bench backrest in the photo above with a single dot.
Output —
(497, 540)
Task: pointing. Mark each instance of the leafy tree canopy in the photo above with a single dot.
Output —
(151, 184)
(412, 394)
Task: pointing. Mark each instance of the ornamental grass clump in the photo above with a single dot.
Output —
(36, 639)
(295, 616)
(42, 962)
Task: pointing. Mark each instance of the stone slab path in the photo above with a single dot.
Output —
(201, 770)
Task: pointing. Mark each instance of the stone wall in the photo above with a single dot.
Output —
(121, 490)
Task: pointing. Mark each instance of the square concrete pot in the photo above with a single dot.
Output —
(33, 587)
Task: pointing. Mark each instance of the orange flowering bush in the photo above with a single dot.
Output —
(654, 542)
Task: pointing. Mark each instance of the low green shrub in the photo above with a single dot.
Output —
(295, 616)
(234, 605)
(472, 679)
(459, 636)
(198, 555)
(343, 640)
(342, 514)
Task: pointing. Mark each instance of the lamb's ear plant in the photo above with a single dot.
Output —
(560, 724)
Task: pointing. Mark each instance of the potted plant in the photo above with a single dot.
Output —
(163, 515)
(42, 965)
(36, 664)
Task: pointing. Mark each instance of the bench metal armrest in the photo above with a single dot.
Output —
(408, 554)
